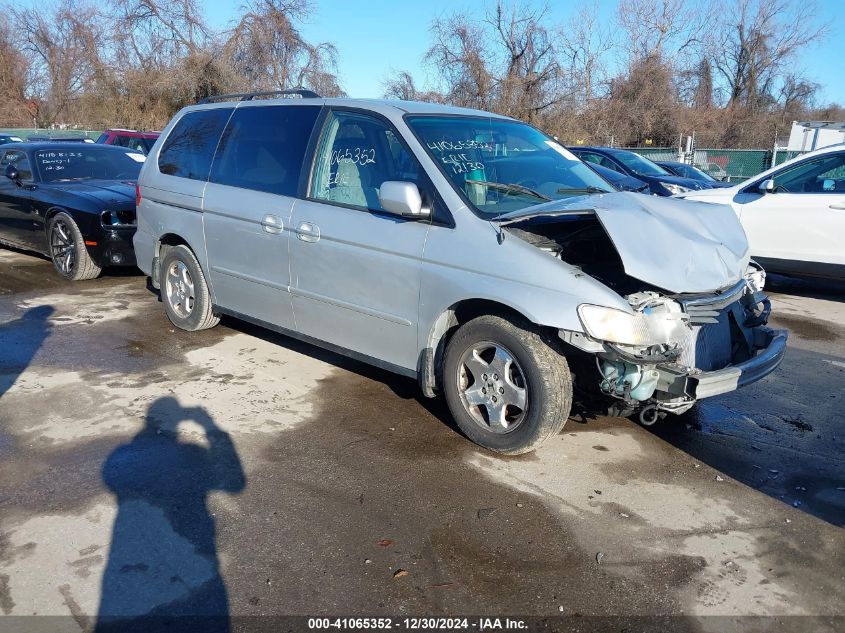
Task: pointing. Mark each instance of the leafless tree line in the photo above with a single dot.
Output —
(728, 70)
(133, 63)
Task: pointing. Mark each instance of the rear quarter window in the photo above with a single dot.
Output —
(189, 149)
(263, 148)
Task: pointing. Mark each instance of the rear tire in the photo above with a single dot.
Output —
(184, 291)
(507, 389)
(67, 249)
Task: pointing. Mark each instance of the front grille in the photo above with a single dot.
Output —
(708, 346)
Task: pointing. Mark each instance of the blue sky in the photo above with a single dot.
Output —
(375, 36)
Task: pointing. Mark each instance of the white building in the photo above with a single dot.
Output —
(806, 136)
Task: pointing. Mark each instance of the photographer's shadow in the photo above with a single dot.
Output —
(163, 572)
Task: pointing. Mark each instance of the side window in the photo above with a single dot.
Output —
(357, 153)
(263, 148)
(189, 148)
(825, 174)
(20, 160)
(122, 141)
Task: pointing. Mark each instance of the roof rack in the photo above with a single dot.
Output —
(249, 96)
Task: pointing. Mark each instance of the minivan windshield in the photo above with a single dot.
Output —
(91, 162)
(501, 165)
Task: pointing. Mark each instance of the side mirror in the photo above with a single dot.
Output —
(767, 186)
(12, 173)
(401, 198)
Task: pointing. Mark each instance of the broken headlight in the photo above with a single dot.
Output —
(660, 324)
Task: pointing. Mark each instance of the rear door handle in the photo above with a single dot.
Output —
(839, 206)
(308, 232)
(272, 224)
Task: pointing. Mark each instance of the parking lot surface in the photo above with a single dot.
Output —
(144, 469)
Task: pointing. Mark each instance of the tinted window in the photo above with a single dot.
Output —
(639, 165)
(263, 148)
(357, 154)
(90, 162)
(20, 160)
(188, 150)
(825, 174)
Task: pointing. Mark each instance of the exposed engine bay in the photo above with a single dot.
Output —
(671, 348)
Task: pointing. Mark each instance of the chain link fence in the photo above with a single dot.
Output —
(729, 165)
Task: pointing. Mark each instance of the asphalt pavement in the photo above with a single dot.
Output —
(236, 472)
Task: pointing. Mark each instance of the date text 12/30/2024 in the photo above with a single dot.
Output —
(418, 624)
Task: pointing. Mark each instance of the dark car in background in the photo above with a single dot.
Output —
(660, 181)
(691, 171)
(73, 203)
(133, 139)
(59, 139)
(10, 138)
(618, 180)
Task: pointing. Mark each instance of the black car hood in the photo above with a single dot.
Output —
(121, 192)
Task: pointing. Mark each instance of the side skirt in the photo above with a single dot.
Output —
(364, 358)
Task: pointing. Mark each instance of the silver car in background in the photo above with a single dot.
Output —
(462, 248)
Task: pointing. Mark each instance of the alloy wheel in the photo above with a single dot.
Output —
(63, 247)
(179, 289)
(492, 387)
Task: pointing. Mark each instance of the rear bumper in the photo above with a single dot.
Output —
(771, 348)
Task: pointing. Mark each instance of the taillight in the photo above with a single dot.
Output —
(137, 195)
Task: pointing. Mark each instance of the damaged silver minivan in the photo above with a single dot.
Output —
(462, 248)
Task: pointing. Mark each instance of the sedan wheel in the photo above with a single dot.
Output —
(62, 247)
(67, 249)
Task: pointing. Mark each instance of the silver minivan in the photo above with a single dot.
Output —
(465, 249)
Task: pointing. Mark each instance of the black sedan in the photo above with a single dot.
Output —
(660, 181)
(74, 203)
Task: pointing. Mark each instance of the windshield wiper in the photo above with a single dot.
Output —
(504, 186)
(582, 190)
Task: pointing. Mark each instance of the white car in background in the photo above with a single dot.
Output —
(793, 214)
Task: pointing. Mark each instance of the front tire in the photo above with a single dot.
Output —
(184, 291)
(507, 389)
(67, 249)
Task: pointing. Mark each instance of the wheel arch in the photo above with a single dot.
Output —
(160, 249)
(444, 327)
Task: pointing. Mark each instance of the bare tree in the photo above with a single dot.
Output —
(757, 40)
(584, 45)
(267, 50)
(15, 77)
(64, 44)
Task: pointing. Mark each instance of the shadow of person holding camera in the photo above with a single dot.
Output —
(20, 341)
(163, 573)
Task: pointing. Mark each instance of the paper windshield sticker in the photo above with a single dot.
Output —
(138, 158)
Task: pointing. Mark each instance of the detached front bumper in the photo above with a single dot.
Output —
(770, 347)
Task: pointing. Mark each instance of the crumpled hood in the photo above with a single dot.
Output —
(680, 246)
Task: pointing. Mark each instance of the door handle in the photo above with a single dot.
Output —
(272, 224)
(308, 232)
(839, 206)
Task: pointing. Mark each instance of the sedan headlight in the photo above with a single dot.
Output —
(675, 189)
(660, 326)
